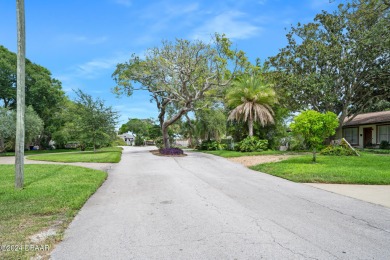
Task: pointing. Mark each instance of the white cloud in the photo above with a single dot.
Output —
(180, 10)
(93, 68)
(127, 3)
(76, 76)
(80, 39)
(230, 23)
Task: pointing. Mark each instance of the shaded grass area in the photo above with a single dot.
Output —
(377, 151)
(230, 154)
(51, 197)
(104, 155)
(366, 169)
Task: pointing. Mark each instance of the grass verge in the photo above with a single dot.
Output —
(230, 154)
(51, 197)
(33, 152)
(104, 155)
(366, 169)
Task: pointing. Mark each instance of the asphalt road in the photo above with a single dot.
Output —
(205, 207)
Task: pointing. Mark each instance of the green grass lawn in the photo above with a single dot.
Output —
(51, 197)
(104, 155)
(32, 152)
(366, 169)
(230, 154)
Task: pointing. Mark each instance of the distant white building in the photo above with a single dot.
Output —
(128, 137)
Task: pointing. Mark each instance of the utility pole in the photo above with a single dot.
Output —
(20, 100)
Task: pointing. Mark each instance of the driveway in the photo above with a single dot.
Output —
(206, 207)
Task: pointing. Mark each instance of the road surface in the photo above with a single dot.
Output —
(206, 207)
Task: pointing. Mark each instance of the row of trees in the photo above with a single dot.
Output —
(88, 122)
(247, 100)
(340, 62)
(50, 114)
(43, 93)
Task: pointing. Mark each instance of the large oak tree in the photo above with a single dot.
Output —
(43, 92)
(340, 62)
(178, 75)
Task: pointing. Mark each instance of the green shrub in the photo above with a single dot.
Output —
(297, 143)
(228, 143)
(211, 145)
(139, 141)
(252, 144)
(159, 142)
(342, 149)
(118, 142)
(384, 145)
(193, 143)
(336, 151)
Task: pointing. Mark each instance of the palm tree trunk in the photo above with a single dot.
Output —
(20, 102)
(250, 126)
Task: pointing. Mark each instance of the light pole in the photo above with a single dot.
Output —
(20, 100)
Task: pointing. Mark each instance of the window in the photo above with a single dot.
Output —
(383, 133)
(351, 135)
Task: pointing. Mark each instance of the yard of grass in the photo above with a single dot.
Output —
(104, 155)
(366, 169)
(230, 154)
(33, 152)
(51, 197)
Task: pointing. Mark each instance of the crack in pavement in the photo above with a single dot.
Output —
(255, 219)
(348, 215)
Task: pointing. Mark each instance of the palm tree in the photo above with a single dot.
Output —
(251, 99)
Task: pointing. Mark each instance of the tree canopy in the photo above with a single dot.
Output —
(94, 122)
(143, 127)
(178, 75)
(43, 92)
(314, 127)
(340, 62)
(33, 126)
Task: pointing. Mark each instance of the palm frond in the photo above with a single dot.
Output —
(251, 99)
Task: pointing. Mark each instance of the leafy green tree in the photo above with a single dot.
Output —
(7, 126)
(314, 127)
(251, 99)
(94, 122)
(143, 127)
(7, 77)
(43, 92)
(179, 75)
(276, 132)
(340, 62)
(33, 123)
(67, 129)
(211, 123)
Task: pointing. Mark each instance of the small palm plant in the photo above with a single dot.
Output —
(251, 99)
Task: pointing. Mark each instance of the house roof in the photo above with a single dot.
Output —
(369, 118)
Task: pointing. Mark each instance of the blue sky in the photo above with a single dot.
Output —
(81, 41)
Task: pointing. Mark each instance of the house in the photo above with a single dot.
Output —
(367, 130)
(128, 137)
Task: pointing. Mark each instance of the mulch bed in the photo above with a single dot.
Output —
(157, 153)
